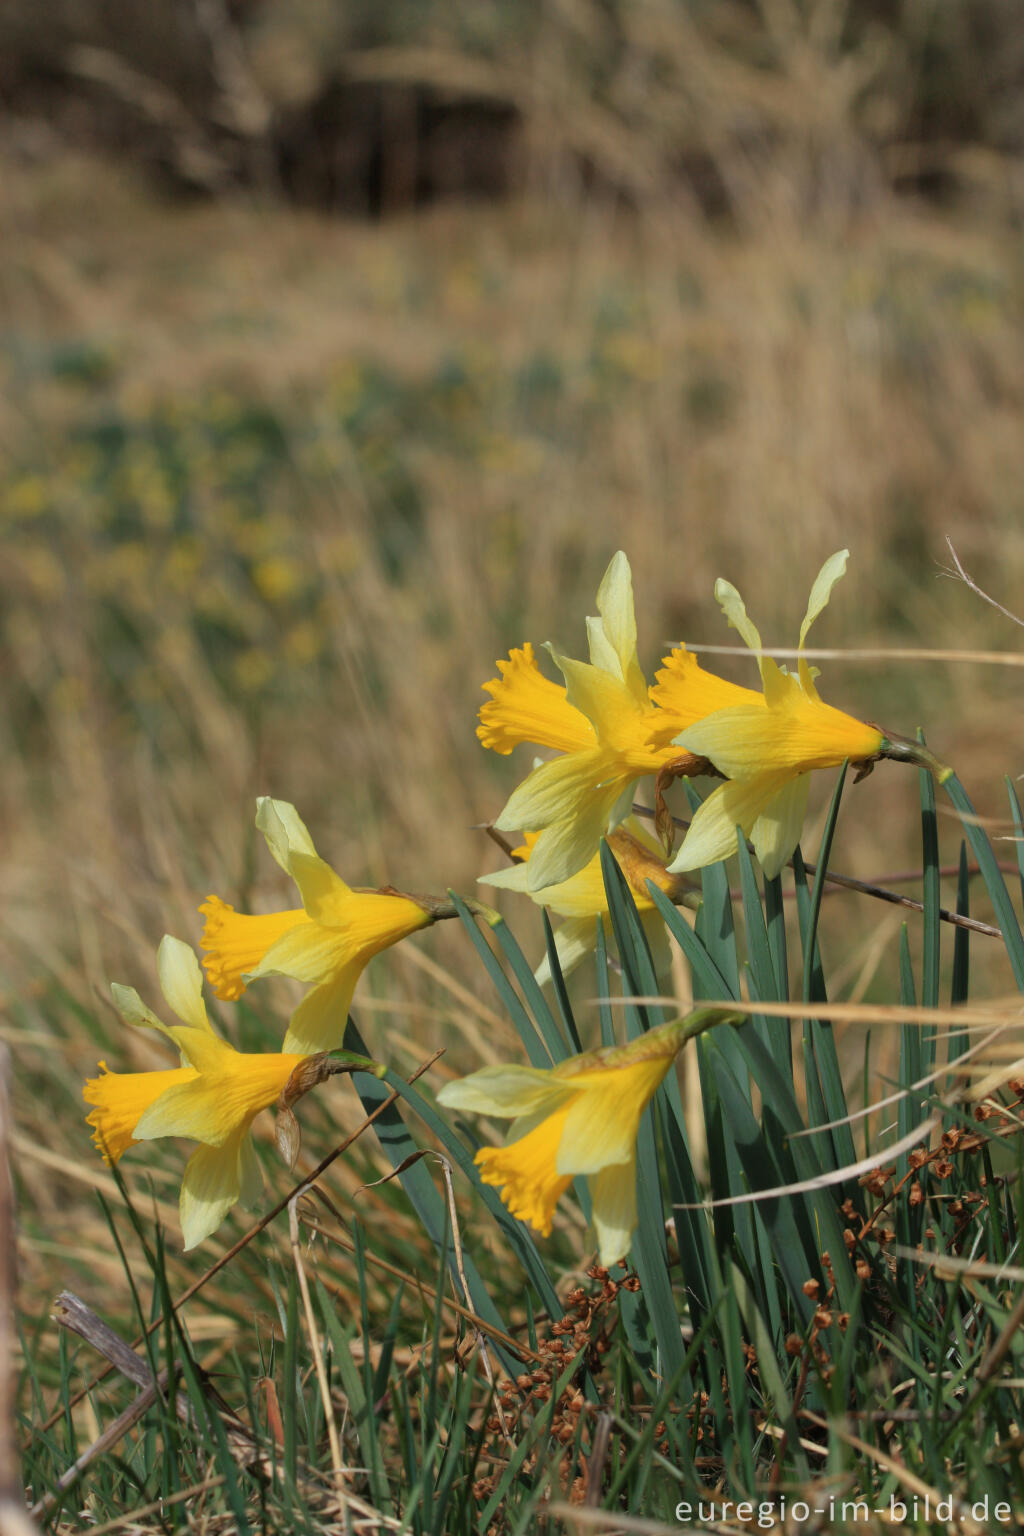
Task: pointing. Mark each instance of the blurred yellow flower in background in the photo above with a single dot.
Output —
(327, 942)
(212, 1098)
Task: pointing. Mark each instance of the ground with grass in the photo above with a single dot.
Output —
(276, 492)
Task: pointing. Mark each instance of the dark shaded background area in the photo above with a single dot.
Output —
(373, 108)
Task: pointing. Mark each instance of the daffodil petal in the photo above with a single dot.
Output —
(573, 940)
(564, 849)
(776, 831)
(734, 608)
(133, 1010)
(318, 1023)
(613, 1211)
(181, 981)
(212, 1107)
(506, 1092)
(250, 1173)
(603, 1120)
(712, 832)
(616, 645)
(322, 891)
(209, 1189)
(285, 831)
(653, 925)
(291, 845)
(821, 591)
(308, 953)
(553, 791)
(511, 879)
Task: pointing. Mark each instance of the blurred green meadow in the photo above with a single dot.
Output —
(277, 489)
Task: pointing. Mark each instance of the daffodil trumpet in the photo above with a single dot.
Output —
(326, 943)
(581, 1117)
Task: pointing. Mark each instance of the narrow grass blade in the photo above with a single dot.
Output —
(542, 1050)
(994, 883)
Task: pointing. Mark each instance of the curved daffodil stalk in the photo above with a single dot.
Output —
(766, 745)
(581, 1117)
(213, 1098)
(326, 942)
(600, 723)
(582, 898)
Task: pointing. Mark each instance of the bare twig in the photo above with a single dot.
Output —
(969, 582)
(340, 1470)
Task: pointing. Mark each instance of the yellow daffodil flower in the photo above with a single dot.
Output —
(766, 745)
(213, 1098)
(600, 723)
(327, 942)
(582, 898)
(581, 1117)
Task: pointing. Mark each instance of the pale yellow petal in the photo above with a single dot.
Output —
(291, 845)
(613, 1210)
(616, 645)
(732, 605)
(712, 833)
(181, 981)
(132, 1009)
(323, 892)
(821, 591)
(318, 1023)
(285, 831)
(209, 1189)
(511, 879)
(555, 791)
(310, 953)
(505, 1092)
(603, 1119)
(250, 1174)
(795, 735)
(568, 846)
(776, 831)
(622, 721)
(525, 706)
(574, 940)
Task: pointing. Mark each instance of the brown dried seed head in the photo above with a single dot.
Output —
(811, 1287)
(916, 1192)
(942, 1168)
(794, 1344)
